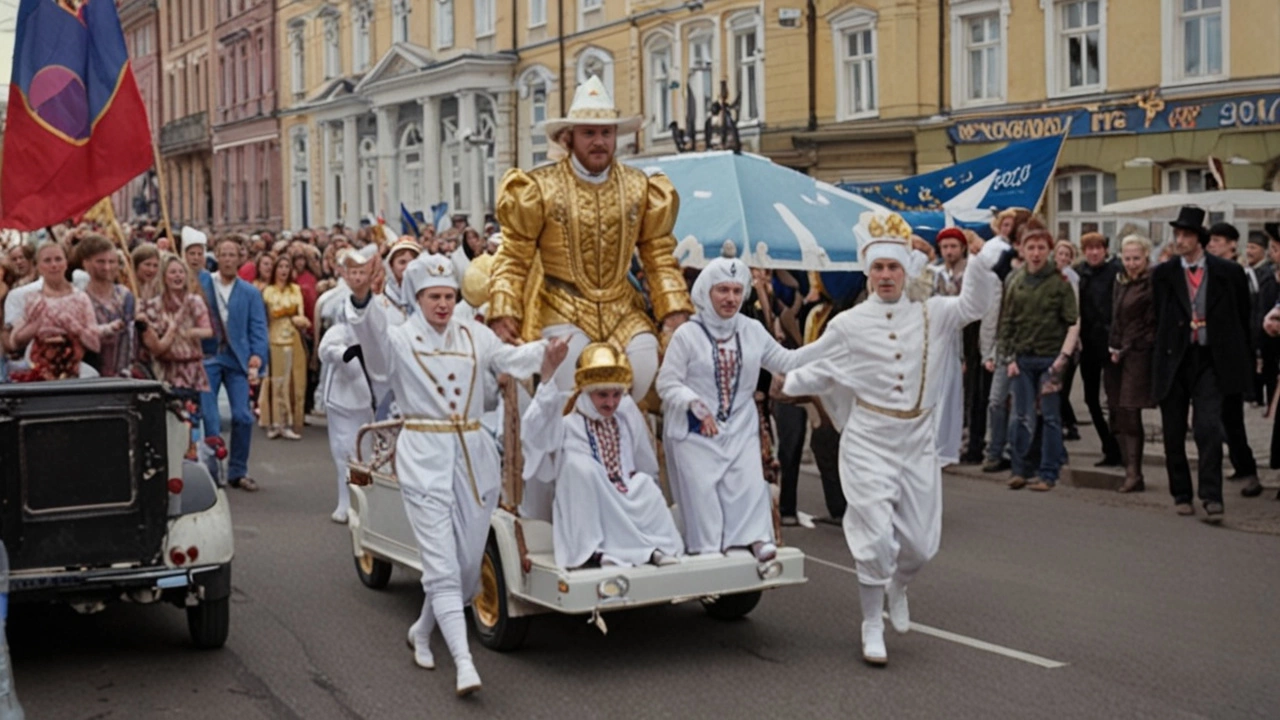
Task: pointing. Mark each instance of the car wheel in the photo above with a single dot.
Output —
(374, 572)
(731, 607)
(209, 623)
(496, 628)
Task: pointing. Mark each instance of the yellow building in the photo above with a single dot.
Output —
(421, 101)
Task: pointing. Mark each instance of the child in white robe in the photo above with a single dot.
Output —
(711, 427)
(608, 509)
(348, 403)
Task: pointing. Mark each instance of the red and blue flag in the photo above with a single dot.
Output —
(77, 128)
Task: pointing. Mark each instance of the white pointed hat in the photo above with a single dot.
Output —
(592, 106)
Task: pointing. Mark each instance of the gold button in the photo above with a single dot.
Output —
(440, 389)
(893, 336)
(453, 405)
(458, 391)
(897, 356)
(889, 315)
(452, 376)
(897, 388)
(902, 377)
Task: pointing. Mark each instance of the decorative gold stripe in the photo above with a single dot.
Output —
(441, 426)
(911, 414)
(594, 114)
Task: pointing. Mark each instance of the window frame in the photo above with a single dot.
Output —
(1077, 218)
(332, 34)
(401, 11)
(1173, 69)
(605, 57)
(492, 28)
(297, 60)
(703, 34)
(537, 19)
(446, 32)
(1055, 43)
(854, 20)
(742, 24)
(657, 43)
(962, 13)
(361, 36)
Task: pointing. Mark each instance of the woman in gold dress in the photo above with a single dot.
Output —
(283, 394)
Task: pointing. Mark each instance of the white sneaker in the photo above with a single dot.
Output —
(873, 650)
(289, 434)
(422, 656)
(468, 678)
(273, 433)
(899, 614)
(662, 559)
(764, 551)
(339, 516)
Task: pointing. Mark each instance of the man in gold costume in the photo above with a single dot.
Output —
(569, 232)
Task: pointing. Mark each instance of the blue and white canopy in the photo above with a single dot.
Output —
(775, 217)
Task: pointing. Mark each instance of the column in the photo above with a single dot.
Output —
(472, 160)
(388, 196)
(431, 185)
(331, 211)
(350, 174)
(506, 126)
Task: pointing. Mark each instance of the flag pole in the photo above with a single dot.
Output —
(164, 205)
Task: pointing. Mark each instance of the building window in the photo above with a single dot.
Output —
(747, 65)
(368, 177)
(597, 62)
(857, 82)
(983, 58)
(444, 23)
(1080, 46)
(400, 10)
(301, 182)
(298, 63)
(332, 52)
(1195, 40)
(484, 17)
(1188, 180)
(537, 13)
(701, 74)
(361, 18)
(660, 79)
(1080, 196)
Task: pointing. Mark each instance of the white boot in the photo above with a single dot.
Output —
(899, 614)
(468, 678)
(420, 644)
(873, 650)
(872, 601)
(447, 607)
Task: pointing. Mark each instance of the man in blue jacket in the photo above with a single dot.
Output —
(234, 356)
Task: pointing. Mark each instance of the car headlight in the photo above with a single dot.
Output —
(769, 570)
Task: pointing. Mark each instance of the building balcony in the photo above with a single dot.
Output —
(185, 134)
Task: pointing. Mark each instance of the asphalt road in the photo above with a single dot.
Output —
(1152, 615)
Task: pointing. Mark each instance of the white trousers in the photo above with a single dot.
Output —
(893, 485)
(642, 351)
(344, 427)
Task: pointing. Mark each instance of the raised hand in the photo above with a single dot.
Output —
(557, 350)
(507, 330)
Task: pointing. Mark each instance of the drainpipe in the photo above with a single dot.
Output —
(812, 32)
(942, 38)
(515, 116)
(560, 40)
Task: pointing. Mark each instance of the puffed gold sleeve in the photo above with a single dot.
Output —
(657, 246)
(519, 214)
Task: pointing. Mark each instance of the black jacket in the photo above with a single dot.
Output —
(1097, 285)
(1226, 314)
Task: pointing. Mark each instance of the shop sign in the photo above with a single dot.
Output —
(1147, 113)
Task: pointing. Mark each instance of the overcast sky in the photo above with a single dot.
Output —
(8, 14)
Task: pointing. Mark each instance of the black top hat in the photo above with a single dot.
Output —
(1189, 218)
(1226, 230)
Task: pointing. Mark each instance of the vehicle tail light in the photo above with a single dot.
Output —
(178, 557)
(193, 553)
(175, 486)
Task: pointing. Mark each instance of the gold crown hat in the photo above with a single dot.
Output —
(883, 236)
(475, 281)
(602, 365)
(592, 106)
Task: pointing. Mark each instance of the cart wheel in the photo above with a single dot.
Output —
(731, 607)
(374, 572)
(497, 630)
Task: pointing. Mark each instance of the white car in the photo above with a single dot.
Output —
(519, 577)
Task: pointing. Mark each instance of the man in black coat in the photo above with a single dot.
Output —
(1201, 354)
(1097, 284)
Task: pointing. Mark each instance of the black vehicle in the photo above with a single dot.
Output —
(97, 503)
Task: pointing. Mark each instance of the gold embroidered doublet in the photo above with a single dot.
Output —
(567, 247)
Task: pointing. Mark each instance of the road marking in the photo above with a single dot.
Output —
(955, 637)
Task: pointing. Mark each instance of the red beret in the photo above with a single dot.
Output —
(951, 232)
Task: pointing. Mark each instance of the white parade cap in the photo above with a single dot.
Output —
(428, 271)
(192, 236)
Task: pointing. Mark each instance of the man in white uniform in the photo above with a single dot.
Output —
(609, 509)
(345, 390)
(878, 370)
(446, 464)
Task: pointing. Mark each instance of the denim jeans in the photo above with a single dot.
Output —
(998, 420)
(1032, 372)
(223, 370)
